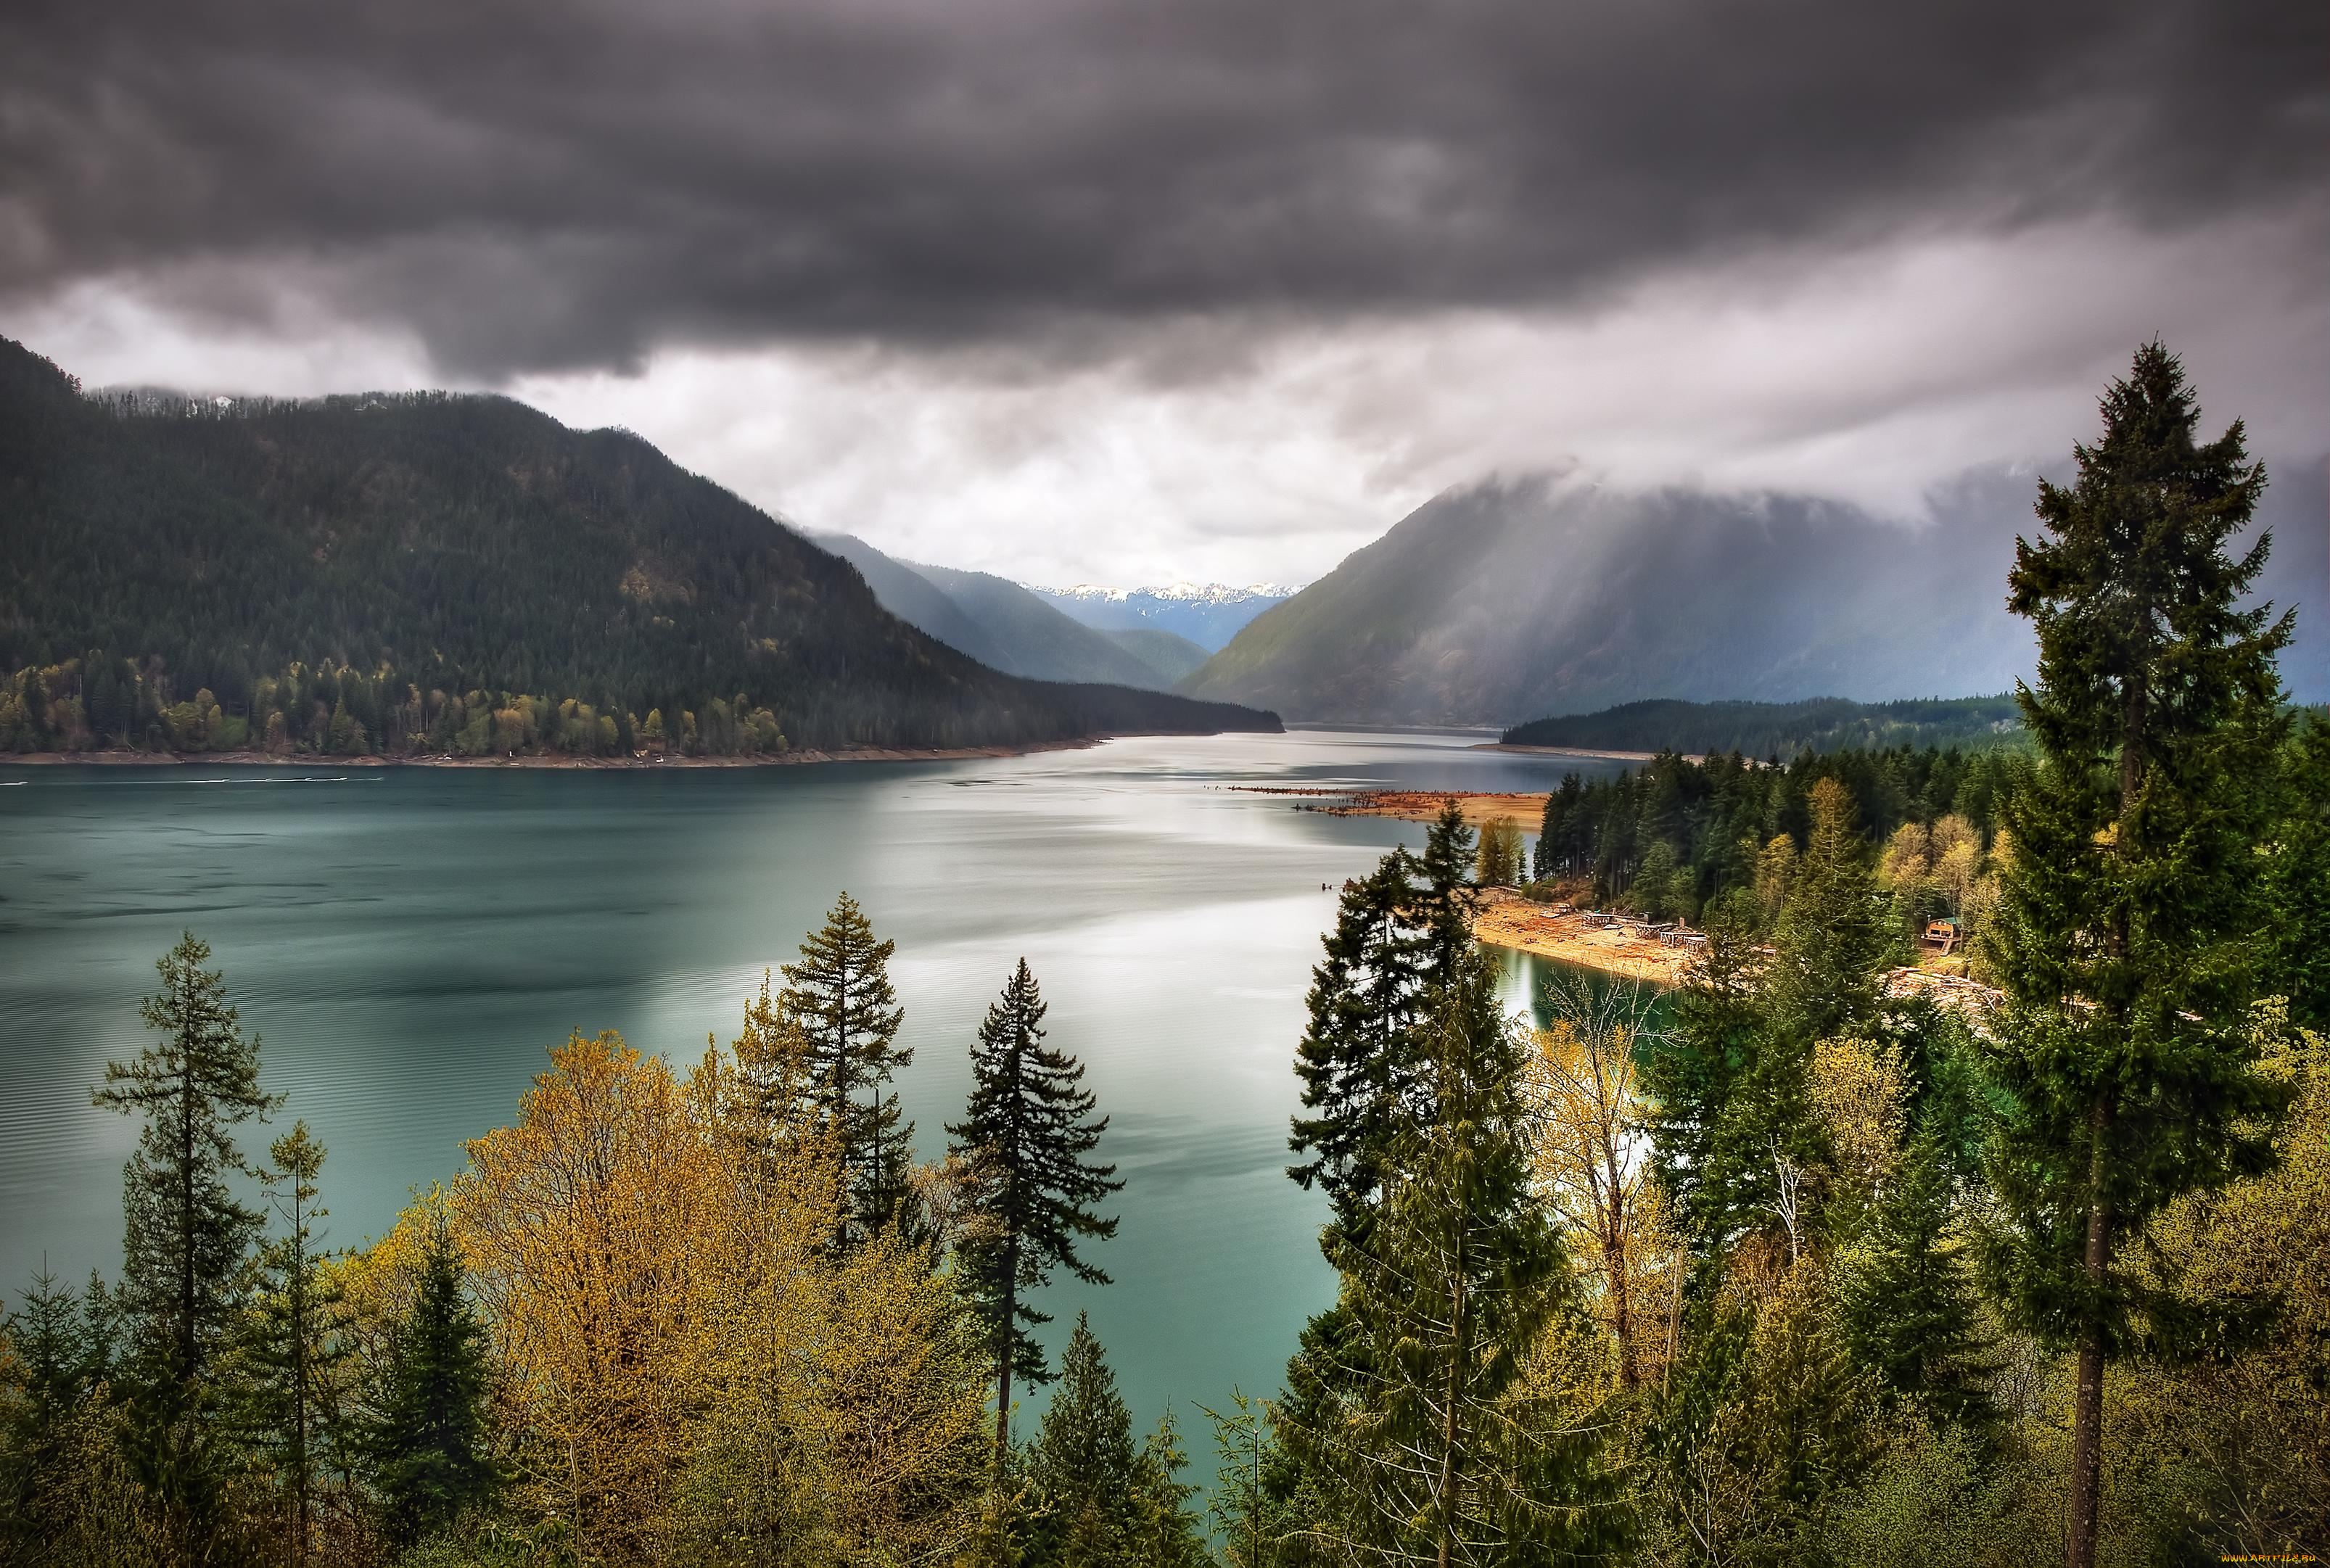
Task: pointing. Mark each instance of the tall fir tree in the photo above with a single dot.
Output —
(1833, 936)
(1167, 1530)
(2131, 945)
(428, 1449)
(1453, 1287)
(1356, 1059)
(188, 1240)
(839, 997)
(1084, 1470)
(291, 1345)
(1027, 1139)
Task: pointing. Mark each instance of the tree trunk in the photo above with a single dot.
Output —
(2087, 1401)
(1003, 1354)
(1459, 1354)
(1613, 1256)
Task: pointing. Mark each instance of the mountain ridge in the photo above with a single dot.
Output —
(403, 555)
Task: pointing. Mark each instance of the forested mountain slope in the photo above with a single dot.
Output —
(428, 561)
(1782, 730)
(996, 621)
(1507, 602)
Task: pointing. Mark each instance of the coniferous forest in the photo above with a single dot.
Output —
(1784, 1267)
(401, 574)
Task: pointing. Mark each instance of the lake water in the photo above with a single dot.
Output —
(408, 941)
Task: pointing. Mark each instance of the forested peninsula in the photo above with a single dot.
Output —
(426, 574)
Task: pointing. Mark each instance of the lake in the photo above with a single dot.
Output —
(408, 941)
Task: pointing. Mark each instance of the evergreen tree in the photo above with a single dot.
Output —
(1167, 1532)
(839, 997)
(1834, 937)
(56, 1353)
(2130, 953)
(2298, 872)
(1356, 1059)
(1905, 1298)
(1714, 1166)
(1442, 907)
(291, 1343)
(1249, 1518)
(430, 1458)
(188, 1240)
(1027, 1138)
(1453, 1287)
(1084, 1470)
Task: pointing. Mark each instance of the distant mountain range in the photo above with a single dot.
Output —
(1508, 601)
(409, 555)
(1009, 628)
(1208, 616)
(1781, 730)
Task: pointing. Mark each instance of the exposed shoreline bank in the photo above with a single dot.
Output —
(1506, 919)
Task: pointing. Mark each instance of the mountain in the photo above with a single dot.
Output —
(1209, 615)
(1503, 602)
(1172, 655)
(455, 571)
(997, 621)
(1782, 730)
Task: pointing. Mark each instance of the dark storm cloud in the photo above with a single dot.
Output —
(531, 185)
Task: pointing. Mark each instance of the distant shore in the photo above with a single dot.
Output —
(123, 759)
(1480, 807)
(1578, 751)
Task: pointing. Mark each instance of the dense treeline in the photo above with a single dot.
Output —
(1776, 729)
(439, 550)
(1692, 841)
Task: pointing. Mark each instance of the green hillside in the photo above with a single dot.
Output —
(1783, 730)
(447, 572)
(1172, 655)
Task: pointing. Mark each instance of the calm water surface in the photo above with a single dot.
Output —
(408, 941)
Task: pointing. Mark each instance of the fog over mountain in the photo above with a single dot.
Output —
(1507, 601)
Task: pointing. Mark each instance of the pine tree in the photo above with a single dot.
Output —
(2298, 871)
(1167, 1532)
(1026, 1137)
(1832, 937)
(56, 1353)
(840, 996)
(188, 1238)
(1905, 1297)
(291, 1344)
(1454, 1286)
(1083, 1468)
(1246, 1513)
(430, 1458)
(1357, 1058)
(1443, 906)
(2129, 951)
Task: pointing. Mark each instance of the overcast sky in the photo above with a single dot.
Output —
(1212, 290)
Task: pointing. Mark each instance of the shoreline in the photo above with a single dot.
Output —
(1524, 809)
(1585, 751)
(1506, 919)
(124, 759)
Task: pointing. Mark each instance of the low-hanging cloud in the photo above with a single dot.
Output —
(1137, 291)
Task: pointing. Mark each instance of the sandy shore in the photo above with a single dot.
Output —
(1508, 920)
(784, 759)
(1522, 810)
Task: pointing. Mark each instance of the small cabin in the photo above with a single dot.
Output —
(1943, 935)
